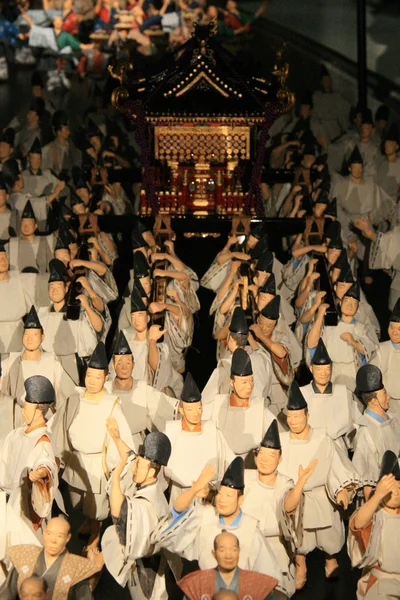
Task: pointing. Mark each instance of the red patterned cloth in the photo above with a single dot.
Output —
(252, 586)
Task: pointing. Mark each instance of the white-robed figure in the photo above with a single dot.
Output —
(190, 529)
(387, 359)
(29, 251)
(358, 195)
(238, 337)
(242, 418)
(374, 530)
(37, 181)
(89, 457)
(366, 144)
(330, 109)
(350, 343)
(8, 217)
(331, 407)
(388, 175)
(19, 366)
(195, 443)
(144, 407)
(331, 484)
(68, 338)
(137, 505)
(152, 360)
(378, 430)
(273, 499)
(28, 468)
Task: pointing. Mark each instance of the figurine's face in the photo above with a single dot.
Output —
(56, 536)
(73, 248)
(32, 339)
(243, 385)
(394, 331)
(139, 320)
(64, 255)
(227, 501)
(32, 118)
(32, 589)
(305, 111)
(64, 132)
(341, 288)
(83, 194)
(267, 460)
(332, 254)
(392, 500)
(57, 291)
(227, 551)
(366, 130)
(19, 184)
(5, 150)
(263, 299)
(95, 142)
(297, 420)
(319, 209)
(191, 412)
(35, 160)
(381, 400)
(326, 83)
(267, 325)
(123, 365)
(391, 147)
(95, 380)
(356, 170)
(141, 470)
(3, 262)
(28, 227)
(146, 284)
(28, 412)
(349, 306)
(321, 374)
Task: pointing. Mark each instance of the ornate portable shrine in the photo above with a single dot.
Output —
(198, 125)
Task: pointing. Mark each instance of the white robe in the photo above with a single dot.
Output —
(388, 360)
(385, 254)
(16, 298)
(321, 522)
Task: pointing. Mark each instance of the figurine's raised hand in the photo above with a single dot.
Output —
(204, 479)
(319, 297)
(343, 498)
(386, 484)
(347, 337)
(38, 474)
(112, 428)
(155, 332)
(305, 474)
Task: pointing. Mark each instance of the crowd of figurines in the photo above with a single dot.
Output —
(249, 475)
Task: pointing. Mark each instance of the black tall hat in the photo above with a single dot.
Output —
(3, 184)
(8, 136)
(241, 363)
(36, 147)
(11, 170)
(137, 239)
(156, 447)
(271, 438)
(271, 310)
(31, 320)
(37, 79)
(139, 288)
(332, 208)
(190, 392)
(38, 106)
(93, 130)
(333, 229)
(382, 113)
(393, 133)
(60, 244)
(240, 228)
(238, 322)
(142, 227)
(395, 315)
(98, 360)
(122, 347)
(306, 98)
(341, 261)
(39, 390)
(389, 465)
(28, 213)
(335, 243)
(355, 157)
(59, 119)
(321, 356)
(296, 400)
(137, 304)
(2, 249)
(323, 71)
(269, 286)
(259, 248)
(346, 275)
(234, 475)
(323, 198)
(80, 183)
(257, 230)
(354, 291)
(369, 379)
(140, 265)
(58, 271)
(366, 117)
(75, 199)
(265, 262)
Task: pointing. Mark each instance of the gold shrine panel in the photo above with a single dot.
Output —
(202, 144)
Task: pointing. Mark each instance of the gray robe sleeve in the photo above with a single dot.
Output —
(80, 591)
